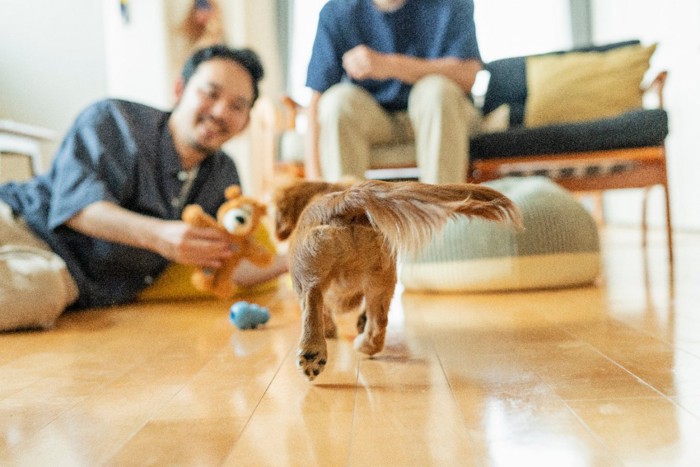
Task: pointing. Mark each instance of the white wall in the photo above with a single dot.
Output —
(52, 61)
(138, 52)
(502, 32)
(675, 25)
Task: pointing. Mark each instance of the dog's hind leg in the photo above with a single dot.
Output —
(371, 340)
(378, 294)
(312, 354)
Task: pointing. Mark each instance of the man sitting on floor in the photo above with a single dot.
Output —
(104, 222)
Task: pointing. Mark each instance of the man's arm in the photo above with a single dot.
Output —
(174, 240)
(362, 62)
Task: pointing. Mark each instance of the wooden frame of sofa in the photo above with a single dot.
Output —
(594, 171)
(643, 167)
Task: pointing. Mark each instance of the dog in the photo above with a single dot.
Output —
(344, 240)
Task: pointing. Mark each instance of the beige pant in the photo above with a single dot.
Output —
(35, 286)
(440, 120)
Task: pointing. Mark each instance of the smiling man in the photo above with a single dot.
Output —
(104, 222)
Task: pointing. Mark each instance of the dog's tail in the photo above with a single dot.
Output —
(408, 214)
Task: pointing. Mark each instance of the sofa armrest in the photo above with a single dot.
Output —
(656, 88)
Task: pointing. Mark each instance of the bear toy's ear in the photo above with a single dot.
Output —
(234, 191)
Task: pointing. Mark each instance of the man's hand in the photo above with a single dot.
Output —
(361, 63)
(185, 244)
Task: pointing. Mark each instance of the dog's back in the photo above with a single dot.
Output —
(291, 198)
(407, 214)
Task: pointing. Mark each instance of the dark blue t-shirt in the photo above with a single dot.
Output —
(421, 28)
(120, 152)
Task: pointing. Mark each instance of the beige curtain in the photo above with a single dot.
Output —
(253, 23)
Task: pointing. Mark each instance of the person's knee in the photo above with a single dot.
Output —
(436, 89)
(437, 98)
(341, 102)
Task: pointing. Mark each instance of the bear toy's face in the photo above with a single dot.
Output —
(240, 216)
(240, 220)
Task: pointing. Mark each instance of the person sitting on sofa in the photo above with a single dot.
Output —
(387, 72)
(104, 222)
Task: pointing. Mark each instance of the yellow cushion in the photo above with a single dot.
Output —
(581, 86)
(175, 284)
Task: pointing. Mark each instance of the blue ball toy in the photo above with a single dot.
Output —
(248, 315)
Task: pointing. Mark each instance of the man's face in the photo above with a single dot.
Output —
(214, 106)
(389, 5)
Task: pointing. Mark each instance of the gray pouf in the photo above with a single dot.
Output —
(559, 246)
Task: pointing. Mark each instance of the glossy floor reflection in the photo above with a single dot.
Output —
(597, 376)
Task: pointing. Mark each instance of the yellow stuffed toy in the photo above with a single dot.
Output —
(239, 216)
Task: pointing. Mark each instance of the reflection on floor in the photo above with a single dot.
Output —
(594, 376)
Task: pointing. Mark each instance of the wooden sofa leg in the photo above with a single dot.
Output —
(645, 224)
(669, 226)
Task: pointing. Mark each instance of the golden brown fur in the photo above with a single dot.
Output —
(344, 242)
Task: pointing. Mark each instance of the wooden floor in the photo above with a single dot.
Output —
(597, 376)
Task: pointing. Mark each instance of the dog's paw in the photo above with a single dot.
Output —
(369, 345)
(311, 360)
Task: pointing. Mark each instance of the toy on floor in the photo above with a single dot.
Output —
(248, 315)
(238, 216)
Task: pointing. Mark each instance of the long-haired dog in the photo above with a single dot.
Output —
(344, 242)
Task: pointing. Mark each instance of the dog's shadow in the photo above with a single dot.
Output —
(352, 370)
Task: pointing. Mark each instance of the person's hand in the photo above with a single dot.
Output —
(248, 274)
(361, 63)
(200, 246)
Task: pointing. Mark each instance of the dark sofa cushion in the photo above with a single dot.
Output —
(507, 85)
(637, 128)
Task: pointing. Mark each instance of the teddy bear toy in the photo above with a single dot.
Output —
(239, 216)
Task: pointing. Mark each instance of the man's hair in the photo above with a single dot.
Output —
(246, 58)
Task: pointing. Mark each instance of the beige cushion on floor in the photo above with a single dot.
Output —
(559, 246)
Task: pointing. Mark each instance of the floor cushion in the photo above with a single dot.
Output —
(558, 247)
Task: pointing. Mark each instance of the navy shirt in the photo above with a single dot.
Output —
(120, 152)
(421, 28)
